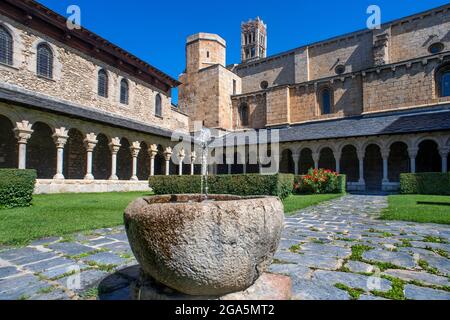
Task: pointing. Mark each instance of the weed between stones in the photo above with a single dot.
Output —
(354, 293)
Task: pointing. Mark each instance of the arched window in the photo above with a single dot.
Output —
(124, 91)
(325, 101)
(243, 114)
(103, 83)
(44, 61)
(158, 106)
(6, 46)
(443, 80)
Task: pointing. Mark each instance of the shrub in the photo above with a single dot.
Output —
(16, 187)
(241, 184)
(320, 181)
(425, 183)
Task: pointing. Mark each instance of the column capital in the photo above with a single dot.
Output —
(412, 152)
(385, 152)
(296, 156)
(153, 151)
(23, 131)
(443, 151)
(168, 153)
(182, 154)
(115, 145)
(90, 142)
(361, 154)
(135, 149)
(193, 156)
(316, 156)
(60, 137)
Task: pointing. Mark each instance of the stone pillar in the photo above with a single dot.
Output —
(193, 158)
(361, 156)
(444, 155)
(90, 142)
(23, 133)
(296, 159)
(385, 155)
(60, 137)
(244, 168)
(152, 152)
(337, 158)
(316, 158)
(114, 147)
(181, 156)
(167, 156)
(412, 157)
(135, 149)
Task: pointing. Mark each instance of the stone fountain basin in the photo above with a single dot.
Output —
(212, 248)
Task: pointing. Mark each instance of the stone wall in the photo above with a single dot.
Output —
(256, 111)
(75, 80)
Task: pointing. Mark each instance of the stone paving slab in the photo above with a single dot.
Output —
(413, 292)
(71, 248)
(421, 276)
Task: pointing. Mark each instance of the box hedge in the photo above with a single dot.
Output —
(242, 184)
(425, 183)
(16, 187)
(340, 185)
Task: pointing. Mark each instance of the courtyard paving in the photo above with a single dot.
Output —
(336, 250)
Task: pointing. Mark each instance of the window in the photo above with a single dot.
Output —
(234, 87)
(103, 83)
(6, 47)
(158, 106)
(243, 114)
(325, 101)
(340, 69)
(44, 61)
(443, 80)
(124, 91)
(436, 48)
(264, 85)
(207, 54)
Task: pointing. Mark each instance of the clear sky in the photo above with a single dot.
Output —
(156, 31)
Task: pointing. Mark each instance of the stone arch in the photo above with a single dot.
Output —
(237, 168)
(286, 162)
(159, 161)
(143, 162)
(306, 160)
(350, 163)
(75, 156)
(398, 161)
(41, 151)
(327, 159)
(8, 144)
(124, 160)
(101, 164)
(428, 158)
(373, 167)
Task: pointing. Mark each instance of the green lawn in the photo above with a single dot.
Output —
(57, 215)
(297, 202)
(405, 207)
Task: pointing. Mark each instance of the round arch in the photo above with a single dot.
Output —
(75, 156)
(327, 159)
(428, 158)
(350, 163)
(41, 151)
(143, 162)
(8, 144)
(398, 161)
(373, 167)
(124, 160)
(101, 164)
(287, 162)
(306, 161)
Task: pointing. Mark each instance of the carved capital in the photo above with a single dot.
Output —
(168, 153)
(60, 137)
(412, 152)
(23, 131)
(444, 151)
(182, 154)
(153, 151)
(135, 149)
(115, 145)
(193, 156)
(90, 142)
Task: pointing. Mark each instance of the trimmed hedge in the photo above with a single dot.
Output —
(425, 183)
(16, 187)
(341, 183)
(241, 184)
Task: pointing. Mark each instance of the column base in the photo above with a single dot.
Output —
(390, 186)
(89, 177)
(356, 186)
(114, 177)
(134, 178)
(58, 176)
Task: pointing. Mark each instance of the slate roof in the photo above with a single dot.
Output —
(10, 93)
(430, 119)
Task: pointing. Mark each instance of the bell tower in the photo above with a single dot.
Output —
(253, 40)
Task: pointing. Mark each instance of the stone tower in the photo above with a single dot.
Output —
(204, 50)
(253, 40)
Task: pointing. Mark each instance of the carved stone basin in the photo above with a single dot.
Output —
(212, 248)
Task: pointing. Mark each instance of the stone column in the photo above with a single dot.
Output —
(361, 156)
(296, 159)
(167, 156)
(23, 133)
(60, 137)
(444, 155)
(181, 156)
(316, 158)
(385, 155)
(90, 142)
(135, 149)
(412, 152)
(337, 158)
(114, 146)
(152, 152)
(193, 158)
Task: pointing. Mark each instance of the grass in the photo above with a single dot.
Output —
(63, 214)
(405, 208)
(297, 202)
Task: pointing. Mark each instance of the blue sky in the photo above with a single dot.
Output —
(155, 31)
